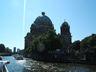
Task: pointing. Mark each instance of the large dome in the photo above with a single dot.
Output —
(43, 20)
(41, 25)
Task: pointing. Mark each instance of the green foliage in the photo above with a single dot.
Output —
(88, 42)
(8, 50)
(50, 40)
(85, 44)
(2, 48)
(75, 45)
(75, 48)
(93, 41)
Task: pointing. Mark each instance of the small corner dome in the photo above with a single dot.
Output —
(43, 19)
(33, 25)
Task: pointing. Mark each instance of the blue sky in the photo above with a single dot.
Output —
(16, 17)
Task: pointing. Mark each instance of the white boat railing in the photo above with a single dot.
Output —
(6, 69)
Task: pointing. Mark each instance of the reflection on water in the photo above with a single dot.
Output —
(28, 65)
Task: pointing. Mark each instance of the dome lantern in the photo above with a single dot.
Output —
(43, 13)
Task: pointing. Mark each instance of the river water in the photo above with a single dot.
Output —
(29, 65)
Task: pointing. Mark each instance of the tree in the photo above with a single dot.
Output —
(50, 41)
(88, 42)
(74, 49)
(93, 41)
(2, 48)
(8, 50)
(75, 46)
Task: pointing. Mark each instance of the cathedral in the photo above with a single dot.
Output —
(41, 25)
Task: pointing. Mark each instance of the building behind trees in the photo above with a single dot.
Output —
(41, 26)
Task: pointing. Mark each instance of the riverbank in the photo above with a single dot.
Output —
(59, 59)
(5, 54)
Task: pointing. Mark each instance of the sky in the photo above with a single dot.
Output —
(16, 17)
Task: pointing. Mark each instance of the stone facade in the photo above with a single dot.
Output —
(65, 36)
(41, 25)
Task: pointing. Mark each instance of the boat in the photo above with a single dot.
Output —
(18, 57)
